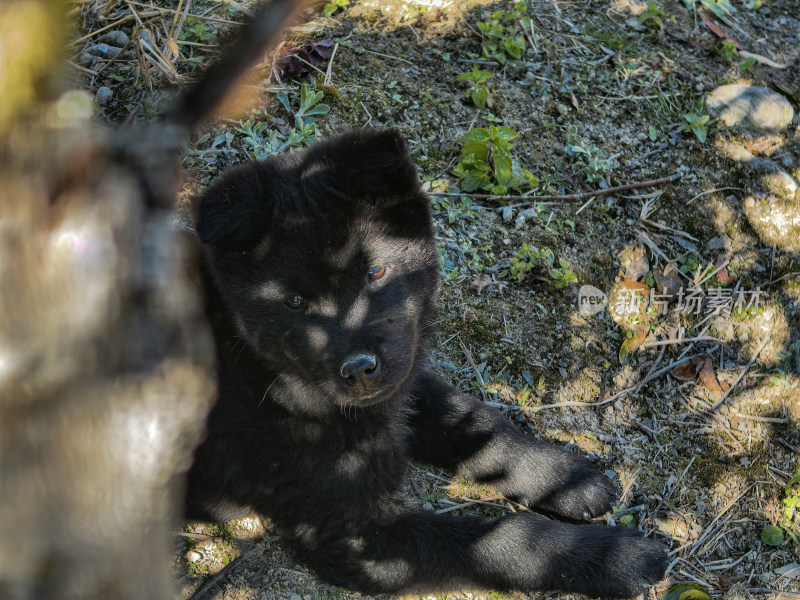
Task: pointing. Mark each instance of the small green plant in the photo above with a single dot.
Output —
(588, 159)
(728, 51)
(791, 516)
(334, 5)
(456, 209)
(785, 357)
(526, 259)
(689, 263)
(697, 124)
(748, 66)
(563, 276)
(651, 16)
(260, 141)
(486, 162)
(478, 93)
(721, 8)
(433, 496)
(195, 31)
(309, 106)
(499, 42)
(785, 365)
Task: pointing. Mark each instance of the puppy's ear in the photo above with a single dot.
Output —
(234, 211)
(364, 163)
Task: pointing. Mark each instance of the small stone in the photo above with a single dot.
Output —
(103, 96)
(193, 556)
(787, 162)
(508, 213)
(116, 38)
(753, 107)
(775, 179)
(104, 50)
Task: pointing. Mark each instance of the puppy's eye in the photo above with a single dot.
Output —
(376, 273)
(295, 302)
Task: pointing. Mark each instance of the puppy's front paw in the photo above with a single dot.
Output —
(635, 563)
(560, 483)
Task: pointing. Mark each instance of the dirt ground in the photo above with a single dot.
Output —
(603, 93)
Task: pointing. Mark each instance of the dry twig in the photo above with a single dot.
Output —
(533, 200)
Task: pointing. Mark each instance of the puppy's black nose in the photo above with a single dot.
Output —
(361, 367)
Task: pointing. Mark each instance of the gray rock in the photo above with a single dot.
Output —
(103, 96)
(775, 179)
(103, 50)
(755, 108)
(116, 38)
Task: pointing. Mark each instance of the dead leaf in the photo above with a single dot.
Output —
(709, 379)
(721, 263)
(670, 283)
(297, 60)
(638, 267)
(574, 101)
(173, 47)
(629, 346)
(687, 371)
(480, 283)
(635, 286)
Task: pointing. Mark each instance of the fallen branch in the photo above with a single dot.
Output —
(531, 200)
(632, 389)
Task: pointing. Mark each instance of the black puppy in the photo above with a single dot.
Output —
(321, 280)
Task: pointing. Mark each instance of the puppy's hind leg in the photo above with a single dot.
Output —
(418, 551)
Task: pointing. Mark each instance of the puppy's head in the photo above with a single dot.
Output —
(326, 261)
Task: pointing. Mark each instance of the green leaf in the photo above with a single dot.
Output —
(478, 134)
(474, 180)
(627, 521)
(329, 9)
(514, 47)
(686, 591)
(771, 535)
(504, 133)
(320, 109)
(479, 96)
(700, 133)
(284, 100)
(502, 168)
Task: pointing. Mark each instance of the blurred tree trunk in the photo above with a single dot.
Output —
(105, 362)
